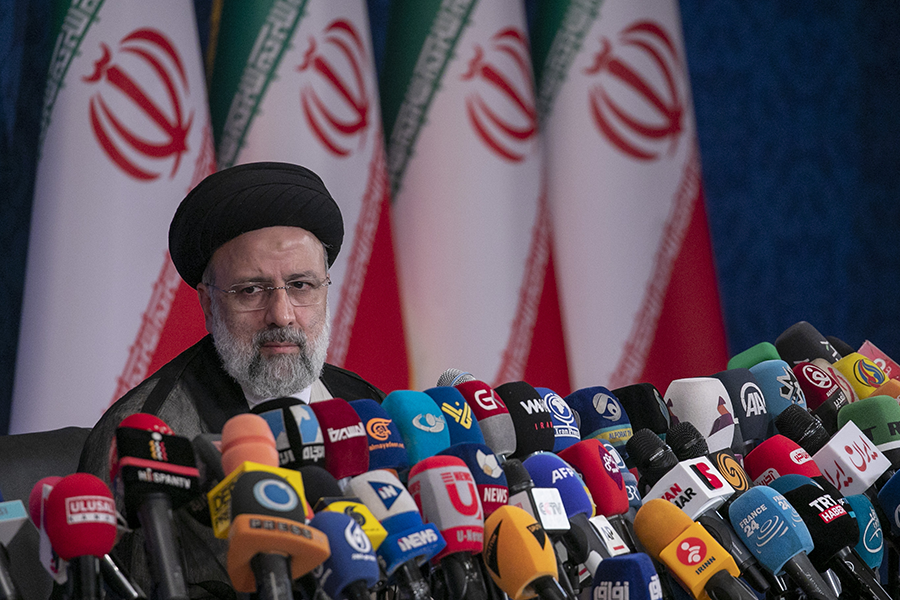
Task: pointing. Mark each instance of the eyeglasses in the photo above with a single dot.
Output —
(255, 296)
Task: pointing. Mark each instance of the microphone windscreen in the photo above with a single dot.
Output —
(266, 494)
(146, 422)
(420, 421)
(565, 426)
(779, 386)
(346, 443)
(80, 517)
(530, 417)
(748, 403)
(36, 498)
(461, 421)
(891, 388)
(769, 526)
(705, 402)
(863, 374)
(778, 456)
(386, 448)
(753, 355)
(247, 437)
(819, 386)
(840, 346)
(879, 418)
(517, 551)
(602, 416)
(318, 483)
(871, 537)
(830, 525)
(631, 482)
(490, 479)
(600, 475)
(801, 342)
(382, 492)
(658, 523)
(454, 377)
(352, 556)
(548, 470)
(797, 424)
(298, 436)
(839, 377)
(630, 576)
(492, 415)
(645, 407)
(686, 442)
(444, 490)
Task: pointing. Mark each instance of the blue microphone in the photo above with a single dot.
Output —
(386, 447)
(421, 423)
(352, 569)
(565, 421)
(871, 537)
(629, 576)
(602, 417)
(461, 421)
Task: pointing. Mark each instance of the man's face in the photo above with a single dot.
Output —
(279, 349)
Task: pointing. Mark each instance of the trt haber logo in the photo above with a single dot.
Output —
(501, 106)
(635, 99)
(137, 112)
(333, 93)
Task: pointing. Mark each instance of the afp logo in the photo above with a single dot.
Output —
(635, 99)
(501, 106)
(137, 112)
(333, 93)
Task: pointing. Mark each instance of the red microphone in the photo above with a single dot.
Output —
(49, 559)
(778, 456)
(346, 442)
(80, 518)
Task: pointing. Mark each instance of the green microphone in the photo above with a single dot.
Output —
(879, 418)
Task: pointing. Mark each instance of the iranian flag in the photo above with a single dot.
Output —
(294, 81)
(470, 212)
(636, 276)
(125, 134)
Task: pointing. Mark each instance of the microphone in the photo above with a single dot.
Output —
(344, 436)
(631, 576)
(753, 355)
(454, 377)
(834, 532)
(386, 448)
(530, 417)
(565, 423)
(878, 417)
(544, 504)
(298, 435)
(490, 480)
(461, 422)
(352, 568)
(444, 490)
(862, 373)
(779, 386)
(492, 416)
(631, 483)
(705, 402)
(410, 543)
(602, 417)
(749, 406)
(838, 377)
(80, 519)
(645, 407)
(696, 560)
(871, 536)
(778, 456)
(519, 556)
(842, 347)
(652, 457)
(772, 529)
(801, 342)
(797, 424)
(158, 474)
(269, 543)
(420, 421)
(824, 395)
(49, 559)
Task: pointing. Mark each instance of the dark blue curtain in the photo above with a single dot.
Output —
(798, 111)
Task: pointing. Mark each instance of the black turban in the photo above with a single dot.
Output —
(245, 198)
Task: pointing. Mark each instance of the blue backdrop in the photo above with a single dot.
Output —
(798, 112)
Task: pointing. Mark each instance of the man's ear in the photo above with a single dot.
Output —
(205, 304)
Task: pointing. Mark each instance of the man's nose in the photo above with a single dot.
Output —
(279, 311)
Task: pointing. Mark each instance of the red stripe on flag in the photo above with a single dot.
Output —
(183, 328)
(547, 364)
(690, 334)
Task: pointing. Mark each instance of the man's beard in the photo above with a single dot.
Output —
(273, 376)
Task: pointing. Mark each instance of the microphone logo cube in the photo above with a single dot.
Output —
(850, 461)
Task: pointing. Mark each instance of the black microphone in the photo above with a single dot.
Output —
(797, 424)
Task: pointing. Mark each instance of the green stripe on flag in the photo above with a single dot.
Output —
(253, 37)
(556, 42)
(411, 79)
(73, 28)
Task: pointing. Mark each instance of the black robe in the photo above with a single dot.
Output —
(193, 394)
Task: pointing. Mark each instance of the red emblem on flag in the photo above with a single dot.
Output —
(334, 99)
(137, 113)
(636, 102)
(501, 109)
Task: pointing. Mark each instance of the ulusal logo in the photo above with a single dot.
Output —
(137, 112)
(635, 100)
(800, 456)
(333, 93)
(500, 106)
(90, 509)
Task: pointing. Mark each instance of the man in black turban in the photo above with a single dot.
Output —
(256, 241)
